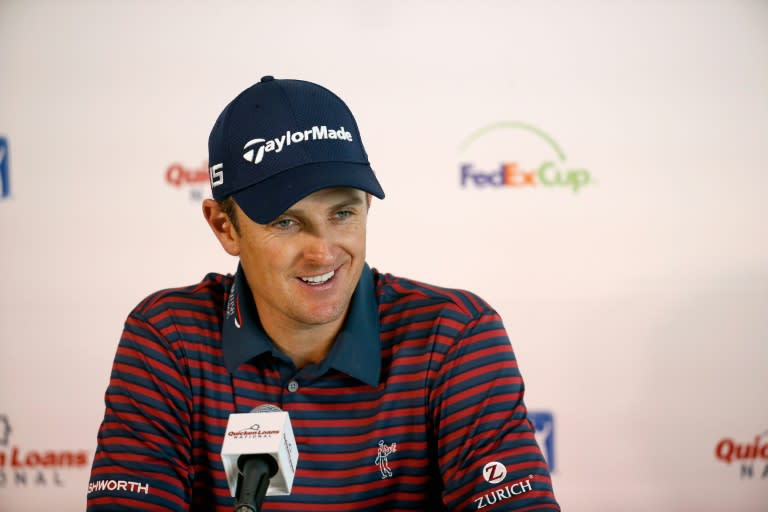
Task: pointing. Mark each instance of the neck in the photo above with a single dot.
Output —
(306, 344)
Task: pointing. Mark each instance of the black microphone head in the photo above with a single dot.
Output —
(264, 460)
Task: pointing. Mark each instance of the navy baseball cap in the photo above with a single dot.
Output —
(280, 140)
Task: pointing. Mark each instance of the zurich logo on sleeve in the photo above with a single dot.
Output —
(544, 423)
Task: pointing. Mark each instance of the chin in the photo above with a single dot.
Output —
(324, 315)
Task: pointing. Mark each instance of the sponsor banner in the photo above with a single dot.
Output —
(193, 180)
(518, 156)
(747, 457)
(32, 466)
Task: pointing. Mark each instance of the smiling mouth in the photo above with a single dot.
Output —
(316, 280)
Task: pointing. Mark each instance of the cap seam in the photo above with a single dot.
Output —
(293, 113)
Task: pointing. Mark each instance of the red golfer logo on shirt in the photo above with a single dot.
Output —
(494, 472)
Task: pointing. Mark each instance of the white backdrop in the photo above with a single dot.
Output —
(637, 305)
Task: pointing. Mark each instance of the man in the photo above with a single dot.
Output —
(402, 395)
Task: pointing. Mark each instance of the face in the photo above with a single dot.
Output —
(303, 267)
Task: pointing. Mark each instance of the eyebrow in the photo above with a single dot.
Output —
(351, 201)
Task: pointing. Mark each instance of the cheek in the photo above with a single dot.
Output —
(357, 243)
(277, 256)
(354, 236)
(253, 255)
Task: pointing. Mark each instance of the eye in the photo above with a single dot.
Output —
(344, 214)
(284, 223)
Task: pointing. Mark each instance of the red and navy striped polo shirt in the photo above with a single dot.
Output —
(418, 405)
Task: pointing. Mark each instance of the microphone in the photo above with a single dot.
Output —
(259, 455)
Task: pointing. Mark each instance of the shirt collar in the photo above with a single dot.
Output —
(356, 350)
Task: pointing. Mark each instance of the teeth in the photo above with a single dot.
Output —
(318, 279)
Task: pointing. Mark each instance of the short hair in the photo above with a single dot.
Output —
(228, 206)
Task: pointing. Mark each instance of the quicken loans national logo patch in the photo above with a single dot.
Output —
(517, 156)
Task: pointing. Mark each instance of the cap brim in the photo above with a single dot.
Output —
(263, 202)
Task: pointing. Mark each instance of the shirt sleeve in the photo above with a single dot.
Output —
(142, 459)
(487, 453)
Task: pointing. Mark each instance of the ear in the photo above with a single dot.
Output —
(221, 226)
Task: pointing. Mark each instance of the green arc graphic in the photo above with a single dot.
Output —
(513, 124)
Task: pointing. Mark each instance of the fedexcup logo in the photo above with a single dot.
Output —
(254, 149)
(520, 156)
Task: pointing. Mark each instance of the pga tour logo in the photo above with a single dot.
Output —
(544, 426)
(5, 185)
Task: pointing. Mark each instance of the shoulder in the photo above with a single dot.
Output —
(421, 320)
(399, 294)
(196, 307)
(210, 291)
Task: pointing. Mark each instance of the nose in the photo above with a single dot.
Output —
(318, 248)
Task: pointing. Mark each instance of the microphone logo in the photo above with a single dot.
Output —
(253, 431)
